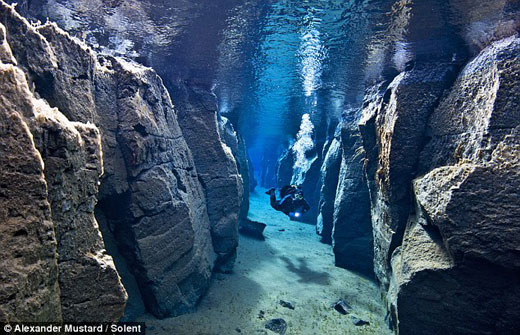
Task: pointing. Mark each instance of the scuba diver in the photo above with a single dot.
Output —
(291, 201)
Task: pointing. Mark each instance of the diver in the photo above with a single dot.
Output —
(291, 201)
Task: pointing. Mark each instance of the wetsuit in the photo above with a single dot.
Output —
(291, 203)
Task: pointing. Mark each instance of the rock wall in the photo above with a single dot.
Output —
(440, 142)
(123, 28)
(150, 194)
(216, 167)
(60, 269)
(467, 194)
(397, 122)
(352, 238)
(329, 175)
(29, 288)
(238, 147)
(442, 165)
(89, 283)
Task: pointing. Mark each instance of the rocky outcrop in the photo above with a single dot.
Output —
(352, 229)
(238, 148)
(216, 167)
(90, 288)
(89, 283)
(150, 194)
(329, 183)
(393, 130)
(124, 28)
(457, 256)
(29, 288)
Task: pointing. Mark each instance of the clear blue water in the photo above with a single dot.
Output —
(281, 60)
(272, 61)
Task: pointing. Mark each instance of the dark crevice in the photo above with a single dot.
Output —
(180, 183)
(81, 77)
(141, 130)
(21, 232)
(112, 216)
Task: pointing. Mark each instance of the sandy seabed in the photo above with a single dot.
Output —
(291, 265)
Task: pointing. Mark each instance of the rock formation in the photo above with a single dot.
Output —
(329, 183)
(450, 251)
(29, 287)
(352, 230)
(238, 148)
(150, 194)
(216, 167)
(61, 241)
(420, 191)
(124, 29)
(399, 126)
(467, 201)
(440, 159)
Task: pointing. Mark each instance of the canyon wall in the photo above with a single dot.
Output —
(54, 261)
(216, 167)
(449, 246)
(188, 69)
(437, 162)
(467, 200)
(442, 185)
(418, 188)
(114, 117)
(29, 286)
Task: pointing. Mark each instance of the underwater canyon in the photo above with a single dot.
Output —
(138, 140)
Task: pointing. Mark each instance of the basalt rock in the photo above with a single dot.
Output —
(150, 194)
(475, 297)
(216, 168)
(278, 326)
(352, 230)
(90, 287)
(476, 129)
(6, 55)
(342, 307)
(458, 258)
(238, 147)
(29, 288)
(123, 28)
(89, 283)
(393, 129)
(329, 183)
(252, 228)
